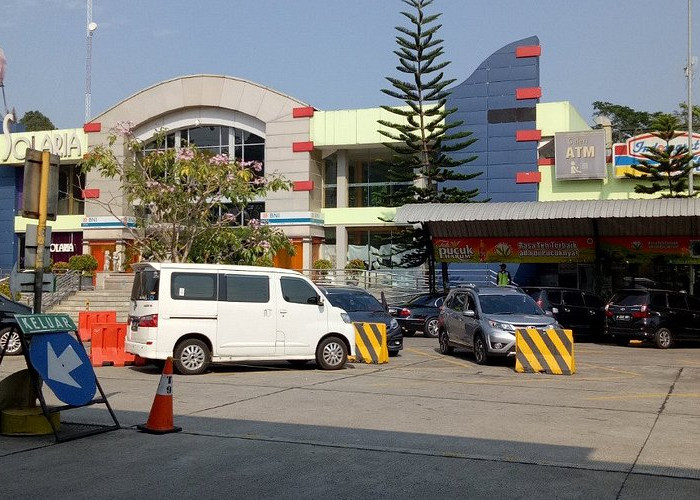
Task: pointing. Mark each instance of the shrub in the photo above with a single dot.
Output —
(85, 263)
(321, 268)
(324, 264)
(60, 267)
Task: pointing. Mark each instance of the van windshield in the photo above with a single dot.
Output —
(145, 285)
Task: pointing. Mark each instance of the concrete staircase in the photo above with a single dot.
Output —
(111, 294)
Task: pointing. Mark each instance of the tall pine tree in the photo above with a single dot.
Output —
(424, 138)
(666, 166)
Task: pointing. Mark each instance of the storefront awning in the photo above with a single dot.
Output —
(657, 217)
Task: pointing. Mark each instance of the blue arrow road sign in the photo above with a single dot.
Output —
(64, 365)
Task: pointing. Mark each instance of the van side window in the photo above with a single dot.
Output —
(246, 288)
(193, 286)
(298, 291)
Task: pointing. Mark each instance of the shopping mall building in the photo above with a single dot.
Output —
(331, 158)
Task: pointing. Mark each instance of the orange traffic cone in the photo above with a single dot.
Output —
(160, 420)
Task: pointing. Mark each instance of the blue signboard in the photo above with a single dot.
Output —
(64, 366)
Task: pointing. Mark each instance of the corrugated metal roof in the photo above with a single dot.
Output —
(666, 216)
(536, 210)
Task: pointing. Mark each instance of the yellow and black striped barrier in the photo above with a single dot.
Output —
(549, 351)
(370, 343)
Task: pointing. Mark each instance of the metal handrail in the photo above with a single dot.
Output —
(398, 284)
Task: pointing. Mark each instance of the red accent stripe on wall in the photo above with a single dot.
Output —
(545, 161)
(528, 178)
(620, 149)
(528, 51)
(305, 112)
(528, 93)
(528, 135)
(92, 127)
(91, 193)
(303, 185)
(303, 147)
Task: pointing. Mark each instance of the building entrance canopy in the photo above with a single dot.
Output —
(561, 231)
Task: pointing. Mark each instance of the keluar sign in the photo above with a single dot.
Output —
(576, 249)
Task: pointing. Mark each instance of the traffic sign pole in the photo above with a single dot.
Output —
(41, 229)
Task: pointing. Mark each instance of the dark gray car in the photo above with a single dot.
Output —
(362, 306)
(484, 320)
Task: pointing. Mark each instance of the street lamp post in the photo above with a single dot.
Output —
(91, 27)
(691, 188)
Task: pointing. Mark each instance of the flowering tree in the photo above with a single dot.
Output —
(182, 200)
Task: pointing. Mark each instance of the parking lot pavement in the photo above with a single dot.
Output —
(626, 425)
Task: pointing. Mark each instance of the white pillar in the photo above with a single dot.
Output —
(307, 250)
(341, 246)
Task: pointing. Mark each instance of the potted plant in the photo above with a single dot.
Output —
(321, 268)
(86, 264)
(353, 270)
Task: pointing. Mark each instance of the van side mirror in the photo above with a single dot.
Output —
(318, 300)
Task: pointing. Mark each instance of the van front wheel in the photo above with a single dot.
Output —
(331, 353)
(191, 357)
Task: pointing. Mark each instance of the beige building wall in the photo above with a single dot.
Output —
(215, 100)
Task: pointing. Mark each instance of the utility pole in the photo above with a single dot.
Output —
(41, 229)
(691, 188)
(91, 27)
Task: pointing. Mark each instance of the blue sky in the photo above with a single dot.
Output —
(334, 54)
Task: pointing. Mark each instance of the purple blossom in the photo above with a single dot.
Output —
(254, 223)
(259, 181)
(219, 160)
(265, 245)
(253, 164)
(124, 129)
(184, 154)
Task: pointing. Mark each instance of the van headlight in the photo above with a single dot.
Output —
(393, 325)
(345, 317)
(501, 326)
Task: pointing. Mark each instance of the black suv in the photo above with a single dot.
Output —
(574, 309)
(653, 315)
(9, 330)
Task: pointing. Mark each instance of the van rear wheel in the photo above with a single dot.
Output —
(191, 357)
(331, 353)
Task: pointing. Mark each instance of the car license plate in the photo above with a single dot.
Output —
(623, 317)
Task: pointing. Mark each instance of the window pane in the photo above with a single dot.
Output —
(250, 138)
(677, 301)
(241, 288)
(193, 286)
(205, 136)
(330, 199)
(297, 291)
(573, 298)
(658, 300)
(593, 301)
(254, 153)
(330, 173)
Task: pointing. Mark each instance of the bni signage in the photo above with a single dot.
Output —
(580, 155)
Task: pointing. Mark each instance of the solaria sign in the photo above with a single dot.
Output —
(68, 144)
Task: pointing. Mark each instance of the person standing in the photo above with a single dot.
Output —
(503, 277)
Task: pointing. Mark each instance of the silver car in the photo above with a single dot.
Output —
(484, 320)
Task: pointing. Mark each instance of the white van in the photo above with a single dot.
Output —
(202, 313)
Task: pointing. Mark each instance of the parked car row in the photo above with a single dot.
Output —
(662, 317)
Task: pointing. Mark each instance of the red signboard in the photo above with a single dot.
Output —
(575, 249)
